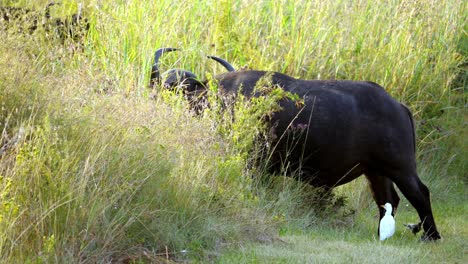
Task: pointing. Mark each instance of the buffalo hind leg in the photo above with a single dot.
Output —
(383, 192)
(418, 195)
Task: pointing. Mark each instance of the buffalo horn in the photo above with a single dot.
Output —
(155, 74)
(223, 62)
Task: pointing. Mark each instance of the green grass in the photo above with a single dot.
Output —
(347, 245)
(353, 239)
(97, 171)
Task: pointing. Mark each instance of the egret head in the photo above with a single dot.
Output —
(387, 207)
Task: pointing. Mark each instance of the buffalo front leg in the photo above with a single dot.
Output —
(383, 192)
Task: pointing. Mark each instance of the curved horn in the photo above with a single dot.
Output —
(155, 74)
(226, 64)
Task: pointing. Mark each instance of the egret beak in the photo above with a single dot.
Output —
(383, 206)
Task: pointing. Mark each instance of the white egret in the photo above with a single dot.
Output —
(387, 223)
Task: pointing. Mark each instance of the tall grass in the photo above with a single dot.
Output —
(400, 46)
(96, 171)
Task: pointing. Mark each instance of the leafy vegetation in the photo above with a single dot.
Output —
(94, 167)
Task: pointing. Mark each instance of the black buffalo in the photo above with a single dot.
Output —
(342, 130)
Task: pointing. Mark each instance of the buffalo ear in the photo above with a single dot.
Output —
(195, 86)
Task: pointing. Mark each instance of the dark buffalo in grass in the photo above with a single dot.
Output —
(341, 130)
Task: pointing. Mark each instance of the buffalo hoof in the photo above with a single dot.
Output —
(430, 237)
(415, 228)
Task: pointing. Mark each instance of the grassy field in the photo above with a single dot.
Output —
(97, 168)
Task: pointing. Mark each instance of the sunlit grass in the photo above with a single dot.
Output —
(98, 172)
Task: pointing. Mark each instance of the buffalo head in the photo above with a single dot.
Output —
(173, 78)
